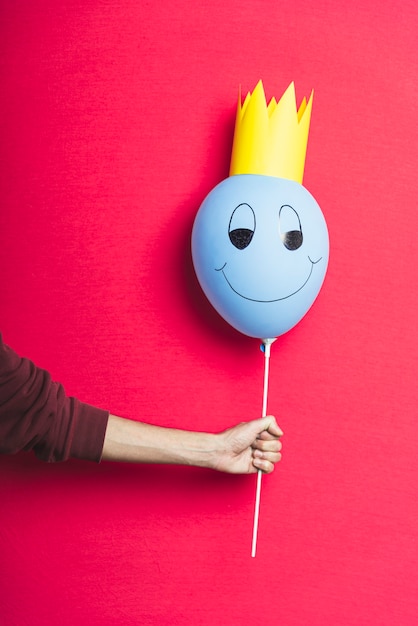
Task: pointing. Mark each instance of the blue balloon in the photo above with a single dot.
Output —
(260, 250)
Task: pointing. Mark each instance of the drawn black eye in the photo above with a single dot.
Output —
(290, 228)
(241, 226)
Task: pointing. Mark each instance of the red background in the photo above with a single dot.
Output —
(116, 121)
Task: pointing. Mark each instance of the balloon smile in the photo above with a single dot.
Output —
(221, 269)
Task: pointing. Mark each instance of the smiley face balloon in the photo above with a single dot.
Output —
(260, 242)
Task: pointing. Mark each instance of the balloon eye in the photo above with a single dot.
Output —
(241, 226)
(293, 239)
(241, 237)
(290, 228)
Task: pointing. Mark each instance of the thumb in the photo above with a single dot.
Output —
(270, 425)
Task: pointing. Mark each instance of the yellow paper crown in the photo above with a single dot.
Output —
(271, 140)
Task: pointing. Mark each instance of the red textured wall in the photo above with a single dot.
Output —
(116, 121)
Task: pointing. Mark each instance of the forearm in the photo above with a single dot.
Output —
(135, 442)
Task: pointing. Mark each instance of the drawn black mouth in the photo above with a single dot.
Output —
(221, 269)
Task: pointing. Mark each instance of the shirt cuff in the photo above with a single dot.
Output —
(89, 433)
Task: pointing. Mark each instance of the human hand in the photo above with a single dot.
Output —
(250, 446)
(243, 449)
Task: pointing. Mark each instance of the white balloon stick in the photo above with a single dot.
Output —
(267, 343)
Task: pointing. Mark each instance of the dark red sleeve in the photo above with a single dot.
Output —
(36, 414)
